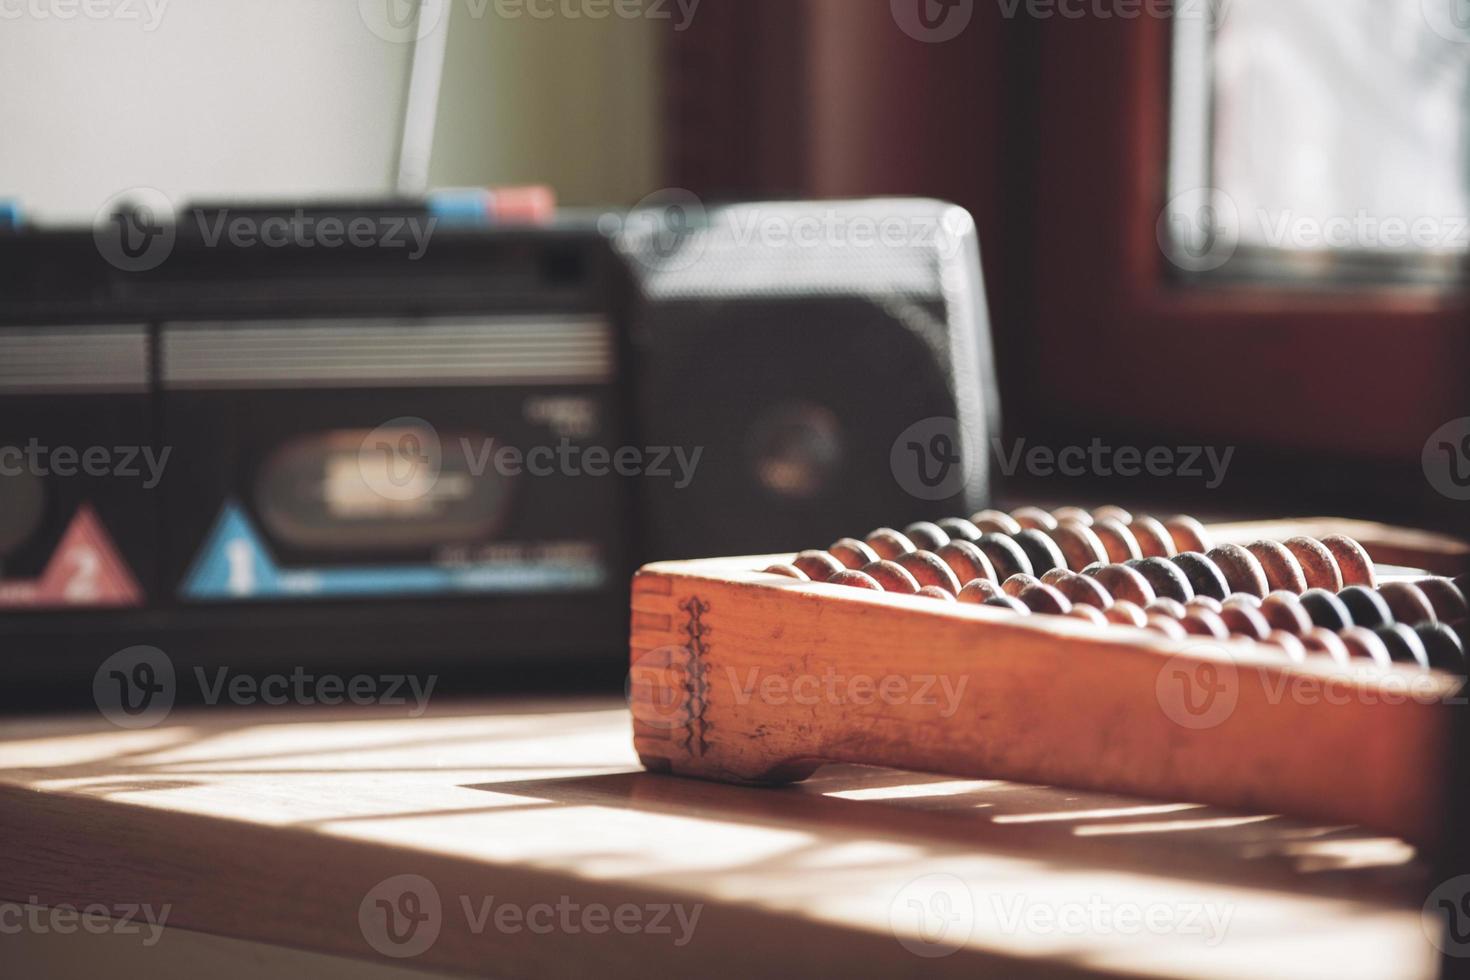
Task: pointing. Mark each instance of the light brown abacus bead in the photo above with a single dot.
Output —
(1126, 613)
(1283, 571)
(1324, 641)
(1164, 606)
(1034, 517)
(935, 592)
(1245, 621)
(1449, 602)
(996, 522)
(928, 569)
(1317, 563)
(1167, 626)
(1111, 513)
(1188, 534)
(1064, 514)
(1295, 650)
(1091, 614)
(1078, 545)
(1123, 583)
(1241, 569)
(1283, 610)
(818, 565)
(1207, 603)
(1083, 590)
(892, 576)
(1365, 646)
(1117, 540)
(1056, 575)
(1017, 583)
(926, 536)
(1042, 598)
(889, 543)
(1202, 622)
(856, 579)
(978, 591)
(1153, 538)
(789, 571)
(1243, 599)
(1408, 603)
(967, 562)
(1352, 560)
(852, 553)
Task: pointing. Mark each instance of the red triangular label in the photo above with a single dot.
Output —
(85, 570)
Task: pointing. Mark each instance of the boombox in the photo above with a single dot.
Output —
(246, 449)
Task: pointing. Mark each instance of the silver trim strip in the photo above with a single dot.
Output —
(63, 359)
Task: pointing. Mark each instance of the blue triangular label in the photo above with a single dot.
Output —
(234, 562)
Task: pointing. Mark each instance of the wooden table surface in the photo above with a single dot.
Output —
(549, 850)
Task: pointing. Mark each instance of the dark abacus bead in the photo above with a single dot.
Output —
(1449, 601)
(1043, 598)
(1034, 518)
(1078, 545)
(1164, 606)
(996, 522)
(1119, 542)
(1323, 641)
(853, 553)
(1366, 607)
(1327, 610)
(1283, 572)
(1090, 614)
(1317, 563)
(1123, 582)
(1153, 538)
(1005, 555)
(926, 536)
(856, 579)
(1041, 550)
(1111, 513)
(1404, 645)
(928, 569)
(1241, 569)
(1407, 603)
(889, 544)
(1202, 622)
(1064, 514)
(1094, 568)
(1462, 585)
(1245, 621)
(1352, 560)
(1445, 648)
(1365, 646)
(1009, 602)
(818, 565)
(935, 592)
(960, 529)
(1126, 613)
(967, 562)
(1204, 577)
(789, 571)
(978, 591)
(1083, 591)
(1290, 644)
(1168, 627)
(1284, 611)
(1188, 534)
(892, 576)
(1056, 575)
(1017, 583)
(1167, 579)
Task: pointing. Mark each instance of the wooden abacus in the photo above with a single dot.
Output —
(1281, 667)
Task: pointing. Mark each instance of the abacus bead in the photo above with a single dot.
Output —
(1404, 645)
(926, 536)
(1352, 560)
(1078, 545)
(1117, 540)
(1462, 585)
(1319, 640)
(1241, 569)
(1365, 646)
(1206, 603)
(928, 569)
(1449, 602)
(1091, 614)
(1163, 606)
(892, 576)
(856, 579)
(1168, 627)
(1290, 643)
(1041, 550)
(978, 591)
(1034, 518)
(1188, 534)
(1283, 571)
(1056, 575)
(1167, 579)
(1202, 622)
(1245, 621)
(1153, 538)
(1327, 610)
(1111, 513)
(818, 565)
(1243, 599)
(1018, 583)
(1094, 568)
(1407, 603)
(1084, 591)
(996, 522)
(960, 529)
(1204, 577)
(1007, 556)
(1008, 602)
(1123, 582)
(1064, 514)
(1317, 563)
(1283, 610)
(1043, 598)
(966, 561)
(889, 544)
(1126, 613)
(935, 592)
(853, 553)
(789, 571)
(1366, 607)
(1445, 650)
